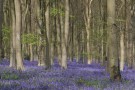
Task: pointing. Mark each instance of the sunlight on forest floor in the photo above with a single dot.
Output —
(77, 77)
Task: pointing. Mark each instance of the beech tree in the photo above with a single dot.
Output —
(112, 41)
(19, 60)
(65, 36)
(13, 36)
(87, 18)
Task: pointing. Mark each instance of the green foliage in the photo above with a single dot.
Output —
(6, 31)
(97, 83)
(89, 83)
(80, 81)
(32, 39)
(127, 81)
(56, 11)
(94, 83)
(9, 76)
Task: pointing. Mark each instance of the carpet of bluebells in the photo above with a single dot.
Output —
(78, 76)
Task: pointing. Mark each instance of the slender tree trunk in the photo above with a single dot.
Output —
(1, 21)
(51, 53)
(87, 24)
(65, 36)
(41, 24)
(32, 25)
(122, 54)
(122, 31)
(18, 35)
(13, 36)
(48, 48)
(58, 39)
(61, 34)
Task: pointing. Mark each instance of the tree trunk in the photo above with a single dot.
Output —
(122, 54)
(122, 31)
(112, 43)
(48, 44)
(58, 40)
(65, 36)
(32, 25)
(87, 24)
(13, 36)
(18, 35)
(1, 21)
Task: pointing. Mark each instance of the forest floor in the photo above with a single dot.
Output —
(77, 77)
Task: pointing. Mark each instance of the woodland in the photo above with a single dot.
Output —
(67, 44)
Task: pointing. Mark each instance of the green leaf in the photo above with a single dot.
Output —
(54, 11)
(32, 39)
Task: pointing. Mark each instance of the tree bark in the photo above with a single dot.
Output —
(1, 21)
(65, 36)
(48, 40)
(112, 43)
(13, 36)
(18, 35)
(87, 25)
